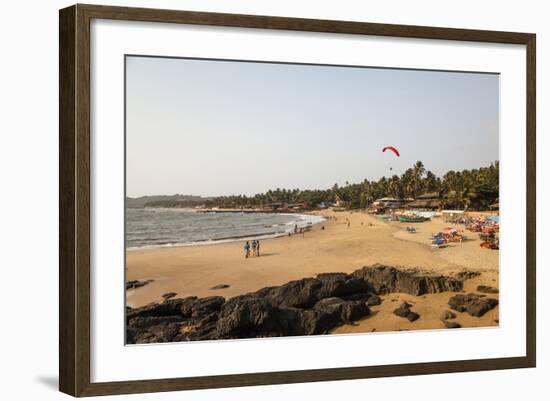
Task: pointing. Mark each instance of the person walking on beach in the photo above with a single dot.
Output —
(254, 244)
(246, 250)
(258, 248)
(295, 228)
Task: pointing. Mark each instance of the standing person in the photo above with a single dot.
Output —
(258, 248)
(246, 250)
(254, 244)
(295, 228)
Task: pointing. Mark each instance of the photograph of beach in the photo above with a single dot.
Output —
(272, 199)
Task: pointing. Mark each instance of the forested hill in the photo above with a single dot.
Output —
(165, 201)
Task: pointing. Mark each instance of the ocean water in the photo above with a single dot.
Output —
(151, 227)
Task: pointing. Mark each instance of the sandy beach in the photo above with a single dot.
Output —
(194, 270)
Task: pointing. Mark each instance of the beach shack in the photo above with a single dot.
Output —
(427, 201)
(296, 206)
(392, 203)
(382, 205)
(274, 206)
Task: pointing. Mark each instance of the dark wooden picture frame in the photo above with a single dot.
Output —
(74, 199)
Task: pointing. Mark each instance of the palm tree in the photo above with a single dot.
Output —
(394, 187)
(418, 172)
(430, 182)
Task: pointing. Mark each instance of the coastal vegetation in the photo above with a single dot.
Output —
(474, 189)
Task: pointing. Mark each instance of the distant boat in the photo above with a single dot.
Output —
(412, 219)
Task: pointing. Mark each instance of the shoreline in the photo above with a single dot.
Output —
(244, 237)
(227, 210)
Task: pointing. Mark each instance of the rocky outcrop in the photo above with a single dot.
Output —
(307, 292)
(164, 322)
(310, 306)
(244, 316)
(387, 279)
(473, 304)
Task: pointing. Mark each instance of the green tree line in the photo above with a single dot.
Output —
(474, 189)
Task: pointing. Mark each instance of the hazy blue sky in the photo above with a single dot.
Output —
(219, 128)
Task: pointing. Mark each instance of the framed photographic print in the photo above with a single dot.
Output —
(250, 200)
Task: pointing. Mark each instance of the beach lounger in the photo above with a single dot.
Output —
(438, 243)
(489, 244)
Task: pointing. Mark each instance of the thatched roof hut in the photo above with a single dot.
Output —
(426, 201)
(388, 202)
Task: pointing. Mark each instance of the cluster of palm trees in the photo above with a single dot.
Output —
(468, 189)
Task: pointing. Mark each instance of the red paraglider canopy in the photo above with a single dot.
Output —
(392, 149)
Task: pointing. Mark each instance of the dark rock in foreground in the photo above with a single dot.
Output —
(446, 315)
(169, 295)
(404, 310)
(132, 284)
(310, 306)
(412, 316)
(386, 279)
(244, 316)
(451, 325)
(374, 300)
(487, 289)
(466, 275)
(307, 292)
(472, 304)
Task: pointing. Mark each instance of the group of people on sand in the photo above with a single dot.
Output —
(254, 246)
